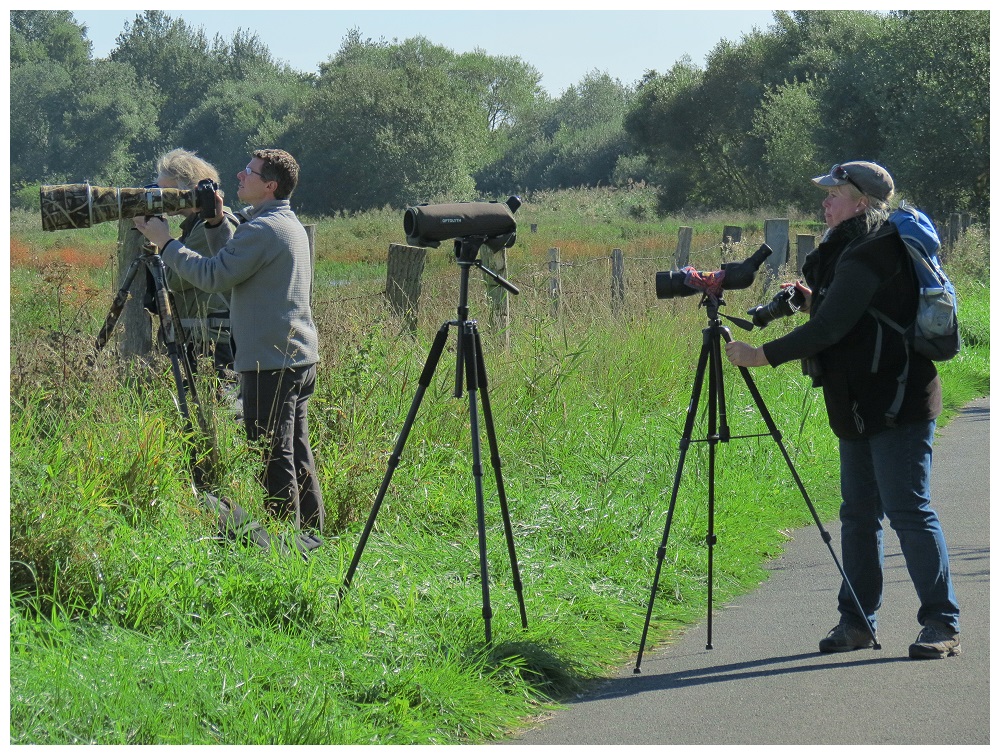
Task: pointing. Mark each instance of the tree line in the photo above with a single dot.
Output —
(395, 123)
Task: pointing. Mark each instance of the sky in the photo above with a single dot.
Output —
(563, 45)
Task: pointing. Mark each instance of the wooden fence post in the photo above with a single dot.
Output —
(555, 281)
(402, 282)
(776, 237)
(954, 228)
(617, 280)
(683, 254)
(499, 300)
(135, 334)
(804, 243)
(311, 235)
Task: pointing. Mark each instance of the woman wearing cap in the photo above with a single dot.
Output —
(884, 466)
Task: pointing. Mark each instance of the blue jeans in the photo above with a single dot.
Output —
(888, 475)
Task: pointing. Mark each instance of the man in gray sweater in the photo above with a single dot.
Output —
(264, 263)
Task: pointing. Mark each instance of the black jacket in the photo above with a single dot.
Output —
(856, 360)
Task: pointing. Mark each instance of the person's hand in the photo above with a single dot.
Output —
(805, 291)
(155, 229)
(744, 355)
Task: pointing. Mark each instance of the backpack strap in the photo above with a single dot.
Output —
(893, 411)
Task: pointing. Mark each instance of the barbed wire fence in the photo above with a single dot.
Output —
(613, 284)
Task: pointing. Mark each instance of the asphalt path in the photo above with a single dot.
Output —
(764, 682)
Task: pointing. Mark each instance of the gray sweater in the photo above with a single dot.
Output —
(265, 264)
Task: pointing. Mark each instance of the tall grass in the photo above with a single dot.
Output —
(131, 622)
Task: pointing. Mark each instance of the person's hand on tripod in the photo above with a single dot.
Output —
(744, 355)
(155, 229)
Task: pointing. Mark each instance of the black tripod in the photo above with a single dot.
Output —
(470, 371)
(718, 432)
(174, 342)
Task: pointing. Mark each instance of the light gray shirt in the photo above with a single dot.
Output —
(265, 264)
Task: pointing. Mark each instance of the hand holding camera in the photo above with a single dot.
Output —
(792, 298)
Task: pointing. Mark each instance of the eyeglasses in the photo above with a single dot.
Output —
(248, 170)
(840, 173)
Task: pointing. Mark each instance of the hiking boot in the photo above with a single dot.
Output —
(845, 637)
(935, 641)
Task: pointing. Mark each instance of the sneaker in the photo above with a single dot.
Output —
(935, 641)
(845, 637)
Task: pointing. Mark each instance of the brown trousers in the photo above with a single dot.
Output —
(274, 414)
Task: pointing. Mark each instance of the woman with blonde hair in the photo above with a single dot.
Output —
(204, 316)
(885, 457)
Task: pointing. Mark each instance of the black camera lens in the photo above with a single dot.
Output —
(785, 303)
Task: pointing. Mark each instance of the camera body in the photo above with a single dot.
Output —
(204, 198)
(785, 303)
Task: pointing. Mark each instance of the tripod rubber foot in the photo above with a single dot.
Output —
(637, 670)
(876, 646)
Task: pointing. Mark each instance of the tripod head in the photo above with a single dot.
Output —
(467, 253)
(712, 304)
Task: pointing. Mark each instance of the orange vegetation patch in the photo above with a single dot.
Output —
(22, 255)
(573, 250)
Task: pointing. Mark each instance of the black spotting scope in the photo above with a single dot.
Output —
(689, 281)
(428, 225)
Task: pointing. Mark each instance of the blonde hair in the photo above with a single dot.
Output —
(186, 168)
(876, 211)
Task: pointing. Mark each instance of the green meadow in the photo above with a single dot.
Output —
(132, 622)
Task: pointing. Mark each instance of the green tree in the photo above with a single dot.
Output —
(71, 118)
(933, 108)
(839, 51)
(109, 120)
(371, 136)
(37, 36)
(507, 91)
(245, 108)
(236, 117)
(788, 123)
(591, 136)
(662, 124)
(39, 91)
(575, 140)
(172, 57)
(47, 48)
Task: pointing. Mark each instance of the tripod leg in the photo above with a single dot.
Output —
(661, 552)
(776, 434)
(495, 461)
(204, 464)
(117, 305)
(468, 359)
(425, 380)
(716, 407)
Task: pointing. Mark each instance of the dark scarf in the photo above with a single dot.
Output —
(820, 262)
